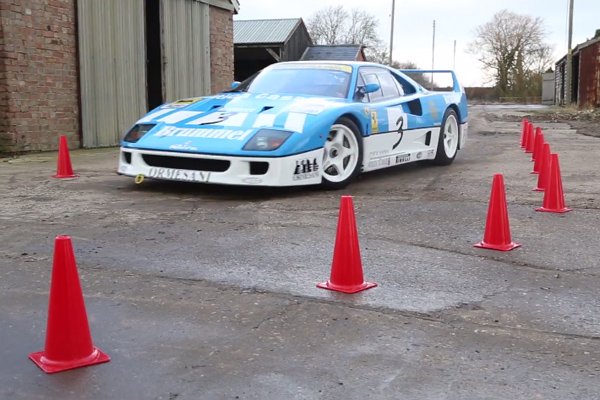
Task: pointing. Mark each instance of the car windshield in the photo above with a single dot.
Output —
(309, 79)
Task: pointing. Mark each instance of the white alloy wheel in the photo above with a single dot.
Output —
(448, 142)
(450, 136)
(341, 154)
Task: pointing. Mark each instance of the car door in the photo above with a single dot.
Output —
(398, 134)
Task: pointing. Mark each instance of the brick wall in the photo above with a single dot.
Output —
(38, 75)
(221, 49)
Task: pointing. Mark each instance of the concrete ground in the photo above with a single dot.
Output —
(208, 292)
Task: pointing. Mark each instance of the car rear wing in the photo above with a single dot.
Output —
(425, 77)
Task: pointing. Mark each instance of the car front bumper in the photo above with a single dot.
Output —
(296, 170)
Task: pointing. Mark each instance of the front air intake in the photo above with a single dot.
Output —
(192, 164)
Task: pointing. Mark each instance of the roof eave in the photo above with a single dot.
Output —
(230, 5)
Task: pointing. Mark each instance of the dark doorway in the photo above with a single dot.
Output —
(153, 54)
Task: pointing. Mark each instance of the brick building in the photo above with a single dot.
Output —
(585, 83)
(88, 69)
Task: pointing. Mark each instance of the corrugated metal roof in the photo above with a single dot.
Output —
(332, 52)
(264, 30)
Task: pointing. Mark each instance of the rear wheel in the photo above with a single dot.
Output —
(342, 154)
(448, 141)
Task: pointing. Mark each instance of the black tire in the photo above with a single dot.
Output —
(448, 141)
(339, 169)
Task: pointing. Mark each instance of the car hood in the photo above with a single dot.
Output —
(224, 123)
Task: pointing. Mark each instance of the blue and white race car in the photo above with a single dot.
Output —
(299, 123)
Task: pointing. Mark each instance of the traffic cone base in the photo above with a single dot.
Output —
(51, 366)
(72, 176)
(346, 289)
(561, 210)
(499, 247)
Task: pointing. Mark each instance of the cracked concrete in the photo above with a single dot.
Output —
(209, 292)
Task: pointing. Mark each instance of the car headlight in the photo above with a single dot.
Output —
(137, 131)
(267, 140)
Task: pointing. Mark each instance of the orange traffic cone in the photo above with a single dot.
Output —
(524, 124)
(346, 269)
(68, 340)
(537, 145)
(497, 229)
(530, 139)
(554, 198)
(526, 135)
(538, 153)
(63, 165)
(543, 167)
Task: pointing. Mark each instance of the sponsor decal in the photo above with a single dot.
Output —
(228, 96)
(212, 118)
(282, 97)
(313, 109)
(430, 153)
(186, 102)
(433, 110)
(178, 116)
(295, 122)
(234, 110)
(235, 119)
(402, 158)
(380, 162)
(264, 120)
(374, 122)
(397, 121)
(378, 153)
(178, 174)
(419, 155)
(252, 181)
(367, 111)
(225, 134)
(400, 131)
(306, 169)
(332, 67)
(155, 114)
(184, 146)
(278, 97)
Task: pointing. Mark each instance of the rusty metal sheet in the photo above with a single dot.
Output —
(589, 76)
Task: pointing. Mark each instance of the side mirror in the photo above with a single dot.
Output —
(235, 84)
(371, 87)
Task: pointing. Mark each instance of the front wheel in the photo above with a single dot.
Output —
(342, 154)
(448, 141)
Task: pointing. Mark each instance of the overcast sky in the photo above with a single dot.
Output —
(454, 20)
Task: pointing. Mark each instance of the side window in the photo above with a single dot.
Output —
(407, 88)
(371, 77)
(388, 84)
(358, 95)
(399, 86)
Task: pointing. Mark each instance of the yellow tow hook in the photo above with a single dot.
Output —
(139, 178)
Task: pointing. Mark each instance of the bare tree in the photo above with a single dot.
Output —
(327, 25)
(511, 48)
(336, 25)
